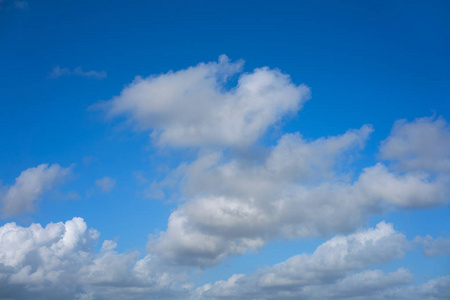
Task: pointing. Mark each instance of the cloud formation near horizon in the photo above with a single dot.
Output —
(58, 261)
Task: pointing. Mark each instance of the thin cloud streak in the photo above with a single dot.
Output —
(58, 72)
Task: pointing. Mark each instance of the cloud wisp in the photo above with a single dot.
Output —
(78, 71)
(106, 184)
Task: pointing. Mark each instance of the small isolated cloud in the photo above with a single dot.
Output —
(422, 145)
(59, 72)
(109, 245)
(30, 186)
(87, 160)
(194, 107)
(106, 184)
(434, 247)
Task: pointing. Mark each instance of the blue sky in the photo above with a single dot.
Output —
(238, 149)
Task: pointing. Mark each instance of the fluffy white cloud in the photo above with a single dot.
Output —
(29, 186)
(422, 145)
(300, 188)
(194, 107)
(336, 270)
(106, 184)
(235, 205)
(59, 262)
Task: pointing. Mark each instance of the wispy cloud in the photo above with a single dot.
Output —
(14, 4)
(21, 4)
(78, 71)
(106, 184)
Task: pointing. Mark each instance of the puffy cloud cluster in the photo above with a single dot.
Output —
(300, 188)
(333, 271)
(367, 284)
(194, 107)
(233, 199)
(59, 262)
(29, 186)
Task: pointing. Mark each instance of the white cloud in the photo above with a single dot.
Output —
(326, 274)
(336, 270)
(30, 186)
(78, 71)
(194, 107)
(421, 145)
(410, 190)
(59, 262)
(300, 188)
(106, 184)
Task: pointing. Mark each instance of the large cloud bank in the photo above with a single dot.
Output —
(300, 188)
(59, 262)
(236, 196)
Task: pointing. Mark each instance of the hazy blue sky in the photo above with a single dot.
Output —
(224, 150)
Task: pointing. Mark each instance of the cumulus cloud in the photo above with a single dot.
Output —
(231, 203)
(194, 107)
(59, 262)
(330, 272)
(368, 284)
(30, 186)
(106, 184)
(232, 200)
(336, 270)
(300, 188)
(421, 145)
(78, 71)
